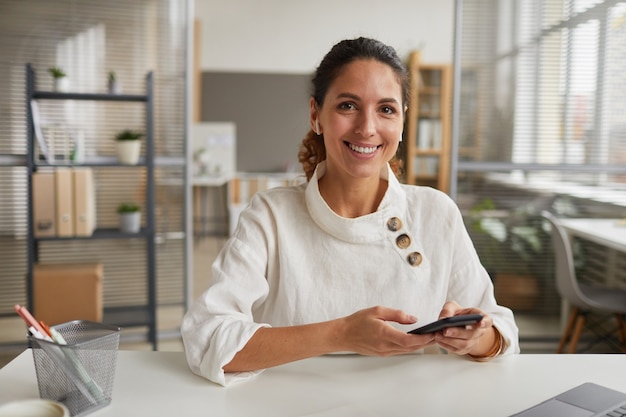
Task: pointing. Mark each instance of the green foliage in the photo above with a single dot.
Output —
(510, 240)
(128, 135)
(112, 76)
(128, 208)
(56, 72)
(484, 204)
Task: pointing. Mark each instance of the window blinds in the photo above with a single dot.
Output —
(88, 39)
(540, 125)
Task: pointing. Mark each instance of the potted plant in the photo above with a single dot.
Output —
(114, 85)
(128, 146)
(130, 217)
(59, 79)
(508, 244)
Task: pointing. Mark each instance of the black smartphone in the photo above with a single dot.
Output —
(454, 321)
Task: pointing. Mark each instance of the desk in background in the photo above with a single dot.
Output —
(210, 216)
(610, 233)
(245, 184)
(213, 146)
(219, 200)
(160, 384)
(607, 232)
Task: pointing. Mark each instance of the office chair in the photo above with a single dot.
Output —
(583, 298)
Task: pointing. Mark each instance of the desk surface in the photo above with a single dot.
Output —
(211, 181)
(607, 232)
(160, 384)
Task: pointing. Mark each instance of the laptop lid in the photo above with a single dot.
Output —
(586, 400)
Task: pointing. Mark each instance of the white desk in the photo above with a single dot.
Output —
(207, 209)
(607, 232)
(160, 384)
(610, 233)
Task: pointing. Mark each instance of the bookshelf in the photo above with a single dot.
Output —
(428, 124)
(123, 316)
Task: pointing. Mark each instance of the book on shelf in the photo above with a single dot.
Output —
(55, 142)
(424, 134)
(44, 208)
(37, 123)
(426, 166)
(63, 202)
(429, 134)
(435, 138)
(64, 191)
(84, 201)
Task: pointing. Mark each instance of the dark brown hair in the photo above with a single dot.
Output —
(312, 150)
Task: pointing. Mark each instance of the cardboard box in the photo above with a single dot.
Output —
(66, 292)
(518, 292)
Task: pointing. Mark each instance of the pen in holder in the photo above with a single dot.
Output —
(79, 373)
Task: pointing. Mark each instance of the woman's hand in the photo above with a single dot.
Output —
(476, 339)
(368, 333)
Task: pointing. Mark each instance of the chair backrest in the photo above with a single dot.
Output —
(566, 281)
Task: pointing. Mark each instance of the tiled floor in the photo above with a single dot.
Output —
(538, 334)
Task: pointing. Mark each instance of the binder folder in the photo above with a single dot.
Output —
(44, 209)
(64, 191)
(84, 202)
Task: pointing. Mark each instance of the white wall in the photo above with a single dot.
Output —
(292, 36)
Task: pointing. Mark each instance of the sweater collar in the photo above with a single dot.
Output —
(366, 228)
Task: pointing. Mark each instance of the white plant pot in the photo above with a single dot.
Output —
(130, 222)
(128, 151)
(115, 87)
(61, 85)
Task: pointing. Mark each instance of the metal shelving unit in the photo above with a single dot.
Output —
(131, 316)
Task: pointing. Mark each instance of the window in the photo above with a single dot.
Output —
(540, 125)
(87, 40)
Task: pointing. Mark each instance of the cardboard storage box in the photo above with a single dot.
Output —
(66, 292)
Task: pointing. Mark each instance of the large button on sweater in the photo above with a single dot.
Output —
(394, 224)
(414, 258)
(403, 241)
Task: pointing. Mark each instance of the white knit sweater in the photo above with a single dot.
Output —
(293, 261)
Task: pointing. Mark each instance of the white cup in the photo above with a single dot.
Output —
(34, 408)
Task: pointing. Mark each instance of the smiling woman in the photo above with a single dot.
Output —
(351, 260)
(358, 122)
(394, 80)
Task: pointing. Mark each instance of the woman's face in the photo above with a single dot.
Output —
(361, 119)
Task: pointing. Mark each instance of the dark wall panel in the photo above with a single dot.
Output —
(271, 112)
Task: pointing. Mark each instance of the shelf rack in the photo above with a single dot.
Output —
(129, 316)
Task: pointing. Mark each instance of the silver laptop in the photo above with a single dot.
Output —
(586, 400)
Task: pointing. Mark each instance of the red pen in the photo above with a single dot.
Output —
(29, 319)
(46, 328)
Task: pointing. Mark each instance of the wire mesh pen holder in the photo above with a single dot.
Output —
(79, 374)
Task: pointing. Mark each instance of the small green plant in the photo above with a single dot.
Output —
(128, 208)
(56, 72)
(112, 76)
(128, 135)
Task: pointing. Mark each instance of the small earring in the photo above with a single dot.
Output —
(317, 127)
(400, 138)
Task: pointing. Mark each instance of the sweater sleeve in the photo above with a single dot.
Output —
(220, 322)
